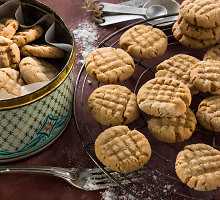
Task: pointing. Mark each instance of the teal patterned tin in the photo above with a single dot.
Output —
(32, 122)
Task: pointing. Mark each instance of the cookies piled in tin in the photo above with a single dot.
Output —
(198, 24)
(19, 62)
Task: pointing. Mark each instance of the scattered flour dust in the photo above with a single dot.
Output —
(86, 35)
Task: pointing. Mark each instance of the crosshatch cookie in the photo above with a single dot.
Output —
(113, 105)
(213, 53)
(189, 41)
(9, 81)
(109, 65)
(144, 42)
(42, 50)
(173, 129)
(122, 150)
(27, 35)
(208, 113)
(36, 70)
(9, 53)
(178, 67)
(164, 97)
(8, 27)
(197, 32)
(206, 76)
(198, 166)
(204, 13)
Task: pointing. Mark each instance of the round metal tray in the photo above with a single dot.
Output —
(159, 180)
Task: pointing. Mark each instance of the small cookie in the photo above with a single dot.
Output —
(109, 65)
(206, 76)
(173, 129)
(113, 105)
(122, 150)
(208, 113)
(35, 70)
(213, 53)
(8, 27)
(27, 35)
(198, 32)
(9, 79)
(178, 67)
(144, 42)
(198, 166)
(204, 13)
(164, 97)
(9, 53)
(189, 41)
(43, 51)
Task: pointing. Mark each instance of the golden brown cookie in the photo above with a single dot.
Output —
(198, 32)
(113, 105)
(164, 97)
(9, 81)
(198, 166)
(213, 53)
(204, 13)
(189, 41)
(208, 113)
(25, 36)
(144, 42)
(122, 150)
(206, 76)
(173, 129)
(42, 50)
(9, 53)
(36, 70)
(109, 65)
(8, 27)
(178, 67)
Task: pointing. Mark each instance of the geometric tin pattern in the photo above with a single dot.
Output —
(31, 128)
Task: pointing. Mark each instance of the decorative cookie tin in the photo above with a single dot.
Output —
(30, 123)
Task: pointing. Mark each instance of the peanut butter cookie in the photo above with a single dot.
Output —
(122, 150)
(164, 97)
(173, 129)
(36, 70)
(208, 113)
(8, 27)
(113, 105)
(178, 67)
(213, 53)
(109, 65)
(144, 42)
(198, 166)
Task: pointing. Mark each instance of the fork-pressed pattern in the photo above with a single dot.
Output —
(83, 178)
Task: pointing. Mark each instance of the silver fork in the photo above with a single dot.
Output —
(83, 178)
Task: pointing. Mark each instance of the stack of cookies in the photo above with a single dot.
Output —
(16, 72)
(198, 24)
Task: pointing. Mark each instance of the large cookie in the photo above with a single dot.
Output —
(42, 50)
(36, 70)
(178, 67)
(164, 97)
(144, 42)
(8, 27)
(204, 13)
(122, 150)
(113, 105)
(208, 113)
(109, 65)
(9, 53)
(213, 53)
(9, 81)
(173, 129)
(27, 35)
(189, 41)
(206, 76)
(198, 166)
